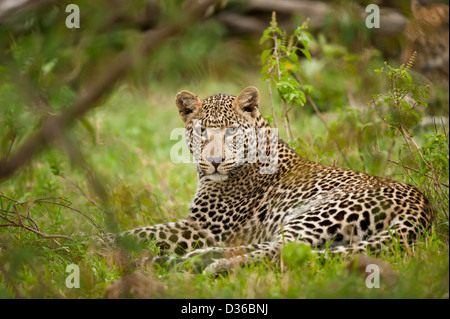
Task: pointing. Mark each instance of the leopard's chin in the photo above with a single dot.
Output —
(217, 177)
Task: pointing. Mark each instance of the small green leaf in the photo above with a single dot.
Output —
(306, 53)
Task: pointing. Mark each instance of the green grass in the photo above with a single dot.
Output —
(126, 178)
(127, 143)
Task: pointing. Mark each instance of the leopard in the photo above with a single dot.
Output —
(255, 194)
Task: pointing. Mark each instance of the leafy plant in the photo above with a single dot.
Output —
(280, 64)
(400, 109)
(281, 69)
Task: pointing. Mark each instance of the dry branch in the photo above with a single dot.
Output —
(14, 218)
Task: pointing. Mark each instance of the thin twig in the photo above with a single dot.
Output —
(415, 170)
(271, 104)
(310, 100)
(75, 210)
(89, 198)
(286, 120)
(322, 119)
(20, 222)
(408, 138)
(13, 138)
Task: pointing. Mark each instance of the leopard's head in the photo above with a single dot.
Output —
(222, 131)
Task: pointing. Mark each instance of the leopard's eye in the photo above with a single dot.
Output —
(230, 131)
(200, 131)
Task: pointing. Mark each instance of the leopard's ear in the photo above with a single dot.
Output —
(247, 101)
(188, 104)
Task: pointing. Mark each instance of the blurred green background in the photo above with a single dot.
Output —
(113, 164)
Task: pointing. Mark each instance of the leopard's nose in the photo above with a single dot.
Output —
(215, 161)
